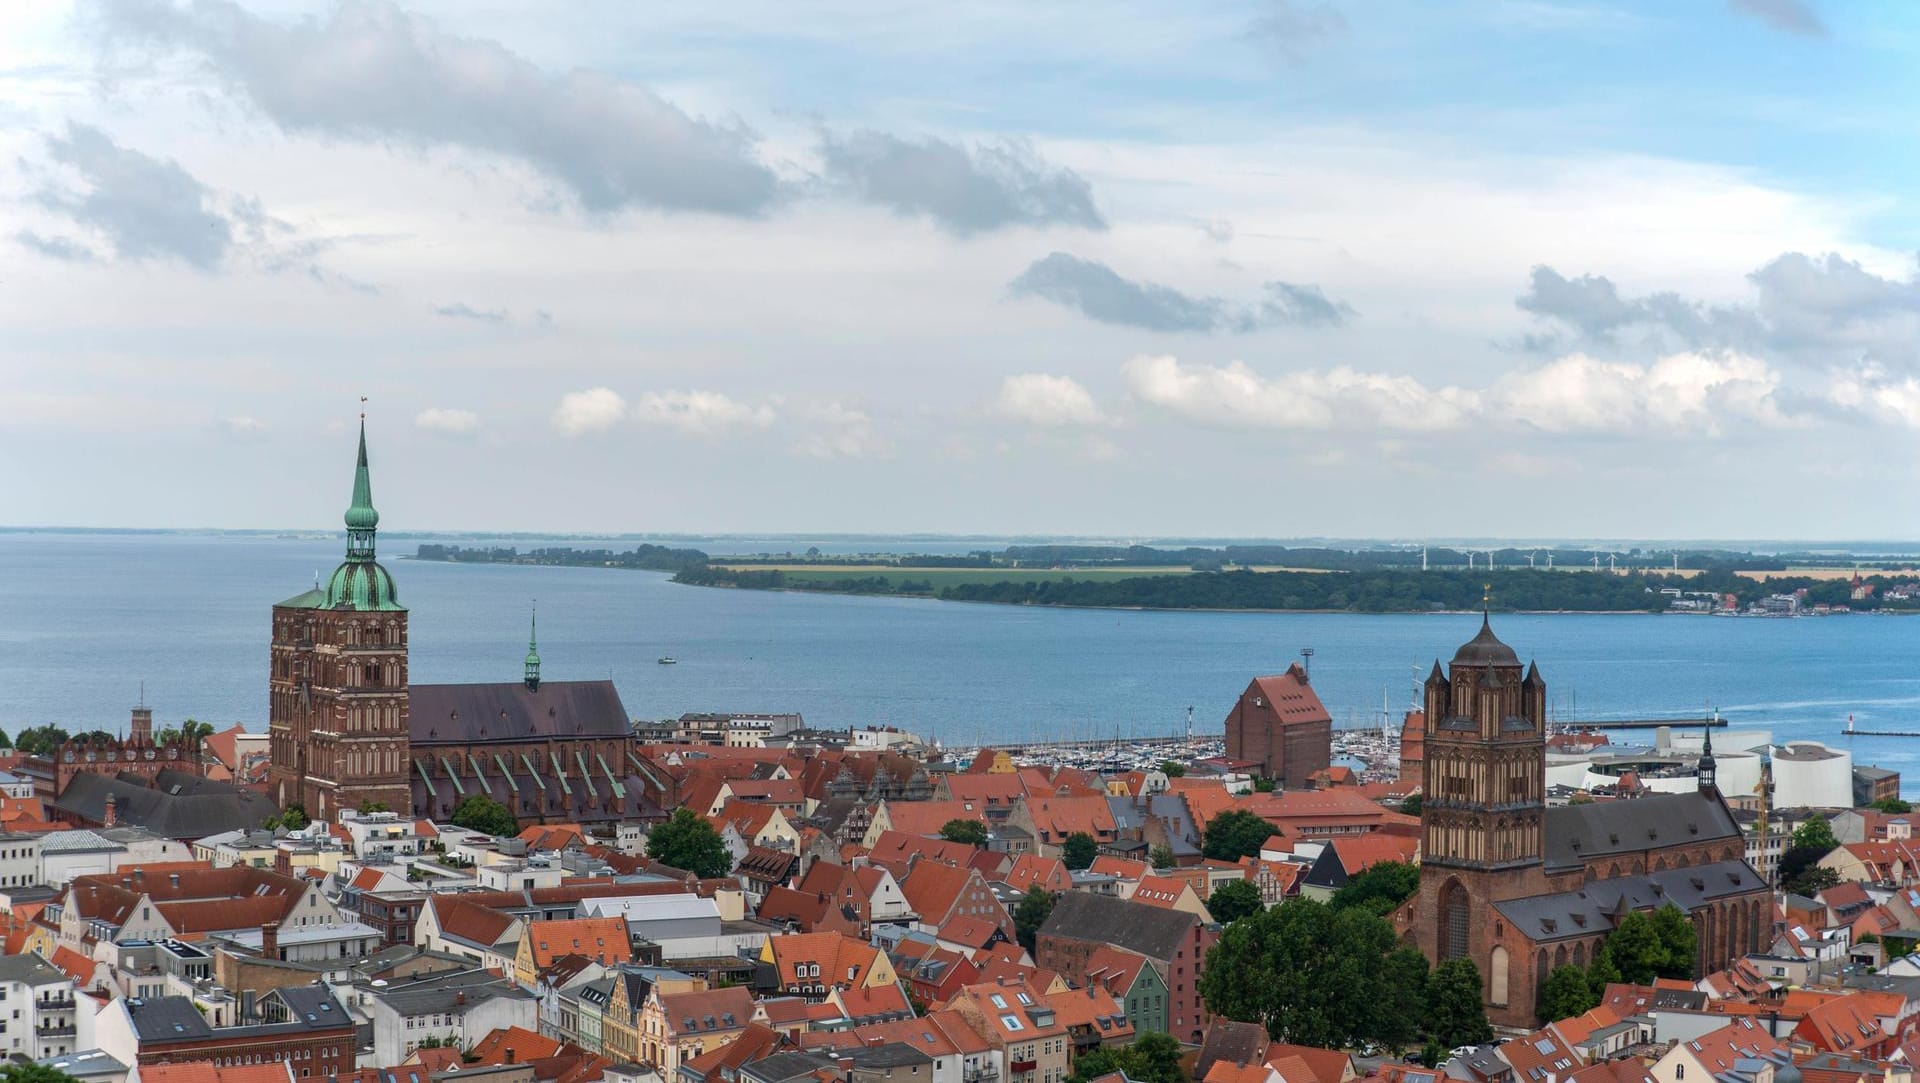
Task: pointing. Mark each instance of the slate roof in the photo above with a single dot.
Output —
(1578, 833)
(167, 1019)
(1594, 908)
(201, 807)
(30, 969)
(466, 714)
(1148, 930)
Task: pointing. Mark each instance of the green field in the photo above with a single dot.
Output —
(948, 577)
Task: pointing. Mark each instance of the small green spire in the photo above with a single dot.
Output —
(361, 518)
(533, 651)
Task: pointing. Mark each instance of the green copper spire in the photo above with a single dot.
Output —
(533, 652)
(360, 582)
(361, 518)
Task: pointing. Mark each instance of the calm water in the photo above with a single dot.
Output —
(84, 619)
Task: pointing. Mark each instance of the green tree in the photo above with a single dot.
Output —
(1235, 834)
(1816, 834)
(1635, 948)
(1892, 806)
(370, 806)
(1678, 942)
(1234, 900)
(1079, 850)
(40, 740)
(293, 818)
(5, 741)
(1161, 857)
(1811, 880)
(1380, 888)
(18, 1072)
(1601, 973)
(1173, 768)
(478, 812)
(1566, 994)
(1263, 785)
(1153, 1057)
(1456, 1015)
(1030, 913)
(689, 842)
(1413, 804)
(1403, 999)
(1311, 974)
(967, 832)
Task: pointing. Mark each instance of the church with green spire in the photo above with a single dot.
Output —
(347, 729)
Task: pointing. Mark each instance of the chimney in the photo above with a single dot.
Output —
(111, 817)
(460, 998)
(270, 940)
(512, 1055)
(141, 729)
(246, 1007)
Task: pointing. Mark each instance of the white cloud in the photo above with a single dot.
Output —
(1681, 392)
(1678, 392)
(1234, 395)
(245, 426)
(841, 432)
(701, 413)
(439, 419)
(588, 411)
(1038, 398)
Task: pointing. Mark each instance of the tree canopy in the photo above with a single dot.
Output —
(1815, 834)
(1234, 900)
(1030, 913)
(1153, 1057)
(1161, 857)
(1079, 850)
(967, 832)
(1173, 768)
(293, 818)
(1455, 1015)
(1566, 994)
(1892, 806)
(1380, 887)
(478, 812)
(1235, 834)
(1318, 976)
(689, 842)
(17, 1072)
(40, 740)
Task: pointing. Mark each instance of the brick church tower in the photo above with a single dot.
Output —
(337, 712)
(1482, 817)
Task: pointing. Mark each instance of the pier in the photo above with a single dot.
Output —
(1652, 724)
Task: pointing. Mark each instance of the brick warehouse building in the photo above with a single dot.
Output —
(1521, 888)
(346, 726)
(1280, 724)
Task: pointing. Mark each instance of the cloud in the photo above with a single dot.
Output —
(1101, 294)
(463, 311)
(1820, 310)
(1792, 16)
(842, 431)
(243, 427)
(371, 72)
(1291, 31)
(700, 413)
(1047, 401)
(593, 410)
(965, 190)
(1680, 393)
(1234, 395)
(452, 422)
(146, 208)
(60, 248)
(1677, 393)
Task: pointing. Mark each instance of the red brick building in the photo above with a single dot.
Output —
(1174, 941)
(1280, 724)
(1520, 888)
(303, 1025)
(138, 755)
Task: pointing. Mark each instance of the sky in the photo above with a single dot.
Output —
(1277, 268)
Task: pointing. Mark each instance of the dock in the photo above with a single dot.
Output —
(1653, 724)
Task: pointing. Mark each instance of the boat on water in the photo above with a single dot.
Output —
(669, 660)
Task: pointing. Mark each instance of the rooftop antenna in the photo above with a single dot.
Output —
(1306, 663)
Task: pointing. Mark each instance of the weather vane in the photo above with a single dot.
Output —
(363, 407)
(1486, 597)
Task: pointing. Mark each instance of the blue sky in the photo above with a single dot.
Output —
(1000, 267)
